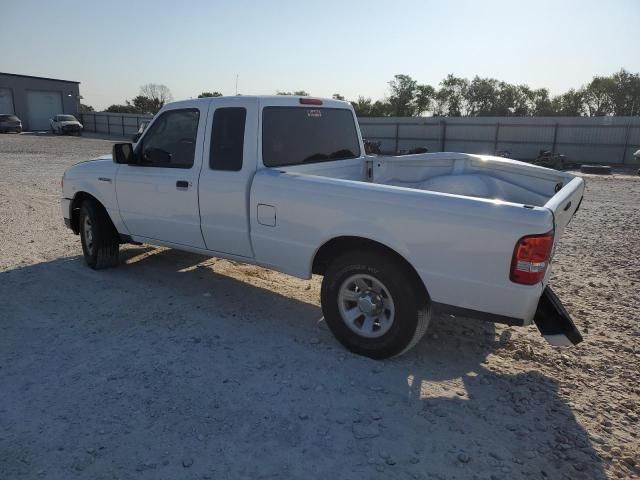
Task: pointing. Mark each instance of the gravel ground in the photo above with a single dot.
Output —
(179, 366)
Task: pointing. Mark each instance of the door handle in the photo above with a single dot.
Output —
(182, 184)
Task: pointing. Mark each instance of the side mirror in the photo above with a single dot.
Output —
(123, 153)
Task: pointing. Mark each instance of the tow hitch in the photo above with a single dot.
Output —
(554, 322)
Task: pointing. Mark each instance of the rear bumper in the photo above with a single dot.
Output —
(551, 318)
(554, 322)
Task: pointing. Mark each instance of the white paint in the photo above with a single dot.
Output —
(455, 217)
(42, 107)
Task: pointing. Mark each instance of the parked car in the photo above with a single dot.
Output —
(65, 124)
(10, 123)
(143, 126)
(283, 182)
(637, 155)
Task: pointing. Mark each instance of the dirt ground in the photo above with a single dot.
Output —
(179, 366)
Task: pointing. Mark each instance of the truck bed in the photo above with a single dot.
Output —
(477, 176)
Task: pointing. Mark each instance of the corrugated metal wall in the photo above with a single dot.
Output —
(582, 139)
(117, 124)
(610, 140)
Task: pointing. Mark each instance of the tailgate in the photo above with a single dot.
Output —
(564, 205)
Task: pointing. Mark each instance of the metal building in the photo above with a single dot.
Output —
(36, 99)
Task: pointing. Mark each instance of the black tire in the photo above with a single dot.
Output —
(102, 248)
(412, 312)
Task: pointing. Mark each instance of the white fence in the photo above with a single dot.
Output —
(610, 140)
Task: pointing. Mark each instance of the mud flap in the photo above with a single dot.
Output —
(554, 321)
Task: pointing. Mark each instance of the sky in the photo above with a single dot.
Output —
(324, 47)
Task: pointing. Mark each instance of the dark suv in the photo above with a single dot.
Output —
(10, 123)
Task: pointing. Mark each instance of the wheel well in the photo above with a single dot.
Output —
(339, 245)
(75, 209)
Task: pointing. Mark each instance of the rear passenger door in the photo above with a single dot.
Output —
(230, 159)
(158, 196)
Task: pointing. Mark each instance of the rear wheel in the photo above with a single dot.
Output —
(373, 304)
(100, 242)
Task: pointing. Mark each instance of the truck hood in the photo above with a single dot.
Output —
(67, 123)
(86, 167)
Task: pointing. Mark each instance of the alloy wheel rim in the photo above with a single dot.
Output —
(366, 306)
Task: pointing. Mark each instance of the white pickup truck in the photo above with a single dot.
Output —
(283, 182)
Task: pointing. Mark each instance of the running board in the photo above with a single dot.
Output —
(554, 322)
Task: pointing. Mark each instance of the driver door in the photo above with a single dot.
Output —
(158, 196)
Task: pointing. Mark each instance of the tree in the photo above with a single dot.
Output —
(402, 100)
(541, 103)
(128, 108)
(451, 99)
(598, 96)
(362, 106)
(425, 95)
(139, 104)
(569, 104)
(483, 97)
(157, 94)
(337, 96)
(365, 107)
(297, 93)
(209, 94)
(146, 105)
(86, 108)
(625, 93)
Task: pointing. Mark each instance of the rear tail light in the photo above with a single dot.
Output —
(310, 101)
(530, 258)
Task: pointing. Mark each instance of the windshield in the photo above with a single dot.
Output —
(295, 135)
(66, 118)
(9, 118)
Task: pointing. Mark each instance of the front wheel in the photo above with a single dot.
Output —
(100, 242)
(373, 304)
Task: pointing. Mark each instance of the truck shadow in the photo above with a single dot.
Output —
(163, 362)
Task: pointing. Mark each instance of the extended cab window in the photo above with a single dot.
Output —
(227, 139)
(295, 135)
(171, 140)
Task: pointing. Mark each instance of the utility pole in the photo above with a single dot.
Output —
(237, 84)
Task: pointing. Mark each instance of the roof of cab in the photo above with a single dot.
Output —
(265, 100)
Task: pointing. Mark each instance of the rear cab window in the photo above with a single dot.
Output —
(307, 134)
(227, 138)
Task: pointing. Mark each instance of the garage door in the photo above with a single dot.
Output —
(41, 106)
(6, 101)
